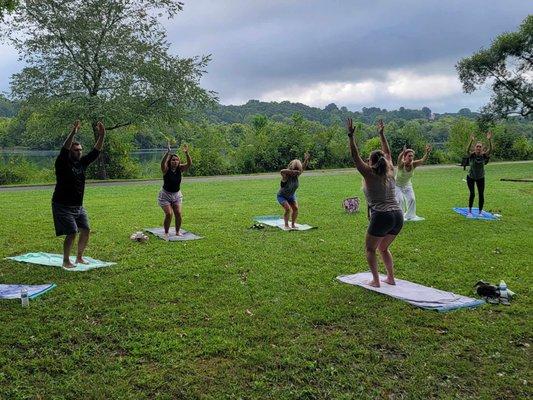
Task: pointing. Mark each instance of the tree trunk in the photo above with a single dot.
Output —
(101, 171)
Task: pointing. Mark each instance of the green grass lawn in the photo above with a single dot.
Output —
(259, 314)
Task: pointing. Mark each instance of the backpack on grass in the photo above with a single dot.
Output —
(351, 204)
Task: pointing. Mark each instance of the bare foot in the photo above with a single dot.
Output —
(80, 260)
(165, 236)
(68, 265)
(178, 233)
(389, 281)
(293, 226)
(287, 227)
(373, 283)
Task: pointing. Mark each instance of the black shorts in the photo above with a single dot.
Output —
(69, 219)
(384, 223)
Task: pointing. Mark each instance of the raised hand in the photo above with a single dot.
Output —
(101, 128)
(76, 126)
(404, 148)
(489, 135)
(472, 137)
(381, 126)
(349, 126)
(428, 148)
(307, 156)
(185, 148)
(168, 147)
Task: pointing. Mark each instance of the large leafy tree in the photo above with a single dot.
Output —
(508, 65)
(103, 60)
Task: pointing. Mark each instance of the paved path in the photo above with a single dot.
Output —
(269, 175)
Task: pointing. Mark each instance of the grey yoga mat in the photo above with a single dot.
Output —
(160, 232)
(413, 293)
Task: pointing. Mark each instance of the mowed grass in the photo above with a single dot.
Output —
(259, 314)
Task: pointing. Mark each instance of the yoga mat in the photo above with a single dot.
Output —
(420, 296)
(13, 291)
(278, 222)
(160, 233)
(485, 215)
(415, 219)
(56, 260)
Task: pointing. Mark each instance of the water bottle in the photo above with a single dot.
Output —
(24, 297)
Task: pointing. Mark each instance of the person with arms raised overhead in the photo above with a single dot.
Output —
(170, 197)
(476, 174)
(385, 214)
(70, 217)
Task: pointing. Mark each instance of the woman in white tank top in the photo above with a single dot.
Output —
(405, 195)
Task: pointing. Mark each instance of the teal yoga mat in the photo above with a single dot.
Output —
(56, 260)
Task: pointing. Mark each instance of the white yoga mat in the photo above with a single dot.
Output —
(413, 293)
(160, 233)
(278, 222)
(56, 260)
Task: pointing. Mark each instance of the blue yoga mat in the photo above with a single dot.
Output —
(485, 215)
(56, 260)
(13, 291)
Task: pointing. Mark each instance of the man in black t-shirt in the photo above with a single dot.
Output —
(67, 202)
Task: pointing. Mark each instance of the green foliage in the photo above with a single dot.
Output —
(119, 163)
(18, 169)
(460, 132)
(508, 62)
(103, 60)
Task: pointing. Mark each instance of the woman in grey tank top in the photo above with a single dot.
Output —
(287, 192)
(386, 217)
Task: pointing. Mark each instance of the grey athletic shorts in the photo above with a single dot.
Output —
(384, 223)
(165, 198)
(69, 219)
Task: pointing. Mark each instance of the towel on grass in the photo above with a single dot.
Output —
(13, 291)
(160, 233)
(485, 215)
(278, 222)
(56, 260)
(413, 293)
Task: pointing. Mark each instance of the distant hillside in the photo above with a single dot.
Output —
(331, 114)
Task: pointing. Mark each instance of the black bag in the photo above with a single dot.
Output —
(485, 289)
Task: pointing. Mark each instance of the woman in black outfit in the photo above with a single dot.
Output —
(476, 175)
(170, 197)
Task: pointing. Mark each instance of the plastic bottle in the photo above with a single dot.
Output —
(24, 297)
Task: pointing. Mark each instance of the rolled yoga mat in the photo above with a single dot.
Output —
(56, 260)
(13, 291)
(160, 233)
(278, 222)
(418, 295)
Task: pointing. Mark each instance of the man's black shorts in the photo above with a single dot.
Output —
(69, 219)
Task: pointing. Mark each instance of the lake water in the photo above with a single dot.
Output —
(46, 158)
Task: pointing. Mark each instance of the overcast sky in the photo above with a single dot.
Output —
(383, 53)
